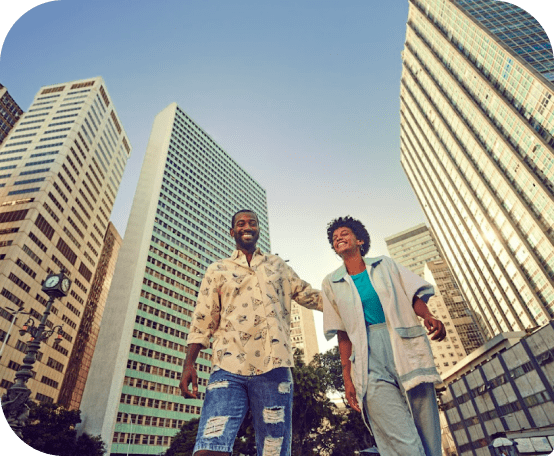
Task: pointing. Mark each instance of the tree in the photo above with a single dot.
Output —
(350, 433)
(51, 429)
(183, 442)
(313, 414)
(330, 362)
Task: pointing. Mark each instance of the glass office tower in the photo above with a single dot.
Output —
(60, 169)
(477, 121)
(179, 224)
(10, 112)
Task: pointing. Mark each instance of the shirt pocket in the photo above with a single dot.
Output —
(411, 332)
(415, 349)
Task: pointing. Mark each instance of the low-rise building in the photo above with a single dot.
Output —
(505, 386)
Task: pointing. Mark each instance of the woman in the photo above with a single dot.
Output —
(372, 304)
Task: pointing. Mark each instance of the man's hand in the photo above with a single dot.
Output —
(189, 375)
(435, 327)
(350, 393)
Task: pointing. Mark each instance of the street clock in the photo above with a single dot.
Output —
(56, 285)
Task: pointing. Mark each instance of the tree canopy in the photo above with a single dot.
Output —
(51, 429)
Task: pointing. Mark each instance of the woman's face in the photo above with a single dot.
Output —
(344, 241)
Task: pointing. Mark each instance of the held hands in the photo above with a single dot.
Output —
(350, 393)
(435, 327)
(189, 375)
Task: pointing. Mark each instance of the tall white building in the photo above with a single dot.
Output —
(188, 190)
(413, 248)
(477, 122)
(302, 331)
(60, 169)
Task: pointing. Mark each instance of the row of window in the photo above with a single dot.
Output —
(157, 404)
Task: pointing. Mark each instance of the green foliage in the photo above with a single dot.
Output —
(183, 443)
(330, 361)
(313, 414)
(350, 433)
(51, 429)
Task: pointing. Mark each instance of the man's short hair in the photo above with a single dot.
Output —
(240, 212)
(357, 228)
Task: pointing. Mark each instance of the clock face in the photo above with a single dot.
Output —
(51, 281)
(65, 284)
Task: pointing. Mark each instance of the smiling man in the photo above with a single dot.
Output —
(244, 303)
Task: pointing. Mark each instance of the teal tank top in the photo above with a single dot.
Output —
(373, 310)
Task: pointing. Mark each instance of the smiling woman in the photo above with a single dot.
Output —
(372, 305)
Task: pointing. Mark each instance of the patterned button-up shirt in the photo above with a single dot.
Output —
(247, 311)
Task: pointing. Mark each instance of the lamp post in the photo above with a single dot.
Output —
(15, 400)
(14, 313)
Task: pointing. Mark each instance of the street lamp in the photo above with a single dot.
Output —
(14, 313)
(15, 400)
(502, 446)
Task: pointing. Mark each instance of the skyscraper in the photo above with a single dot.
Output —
(413, 248)
(60, 170)
(78, 366)
(188, 190)
(10, 112)
(468, 336)
(416, 249)
(477, 121)
(302, 331)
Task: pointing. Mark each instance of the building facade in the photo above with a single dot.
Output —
(302, 331)
(10, 112)
(477, 121)
(416, 249)
(413, 248)
(463, 328)
(179, 224)
(60, 168)
(85, 342)
(506, 386)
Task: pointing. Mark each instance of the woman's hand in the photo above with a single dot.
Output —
(435, 327)
(350, 393)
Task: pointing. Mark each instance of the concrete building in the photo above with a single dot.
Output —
(10, 112)
(450, 351)
(416, 249)
(506, 386)
(179, 224)
(413, 248)
(477, 120)
(302, 331)
(463, 329)
(61, 166)
(78, 366)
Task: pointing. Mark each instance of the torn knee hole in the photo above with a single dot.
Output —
(220, 384)
(274, 414)
(215, 426)
(284, 387)
(272, 446)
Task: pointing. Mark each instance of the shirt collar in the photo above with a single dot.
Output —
(238, 253)
(341, 272)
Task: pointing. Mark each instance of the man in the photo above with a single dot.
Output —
(244, 303)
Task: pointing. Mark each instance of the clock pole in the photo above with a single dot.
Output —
(14, 401)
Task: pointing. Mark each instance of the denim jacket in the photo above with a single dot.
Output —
(396, 286)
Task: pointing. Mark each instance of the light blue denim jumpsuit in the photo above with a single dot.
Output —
(393, 370)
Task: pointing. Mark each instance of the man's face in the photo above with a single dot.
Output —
(246, 231)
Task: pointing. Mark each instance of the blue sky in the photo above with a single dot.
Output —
(304, 95)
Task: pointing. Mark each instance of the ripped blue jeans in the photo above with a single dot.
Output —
(228, 398)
